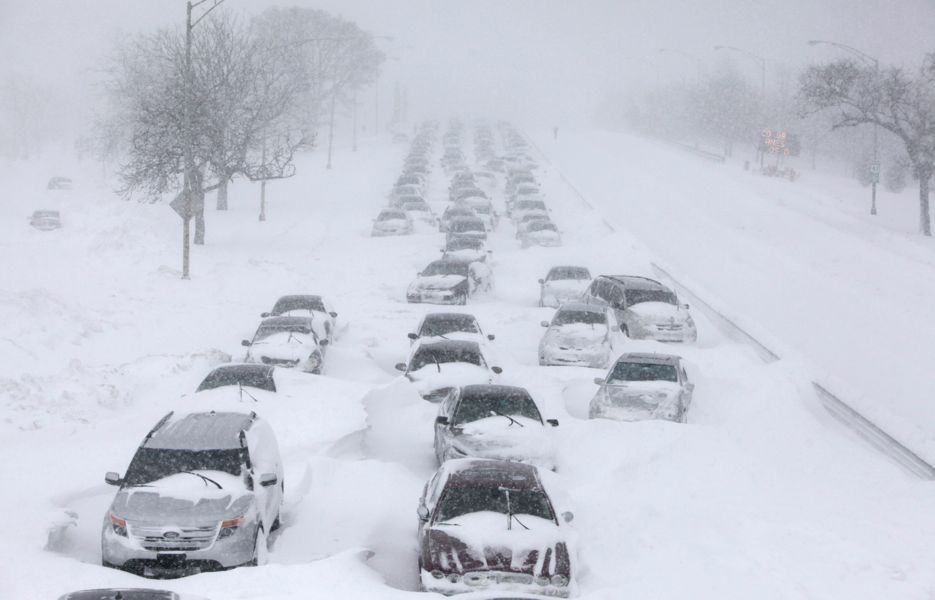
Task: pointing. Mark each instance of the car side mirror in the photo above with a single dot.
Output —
(542, 282)
(568, 516)
(552, 422)
(112, 478)
(423, 513)
(599, 380)
(268, 479)
(323, 342)
(413, 336)
(685, 306)
(244, 342)
(264, 315)
(544, 323)
(491, 337)
(333, 314)
(441, 420)
(400, 367)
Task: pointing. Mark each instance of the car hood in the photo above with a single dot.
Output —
(473, 255)
(483, 541)
(658, 311)
(184, 499)
(642, 395)
(280, 346)
(576, 335)
(437, 282)
(429, 377)
(498, 437)
(566, 287)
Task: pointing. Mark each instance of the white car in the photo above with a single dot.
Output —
(449, 281)
(540, 233)
(579, 334)
(524, 207)
(450, 326)
(643, 386)
(466, 248)
(420, 212)
(287, 342)
(563, 284)
(438, 367)
(494, 421)
(307, 305)
(392, 221)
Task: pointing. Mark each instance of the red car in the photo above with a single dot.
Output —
(490, 525)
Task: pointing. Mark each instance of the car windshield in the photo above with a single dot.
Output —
(638, 296)
(268, 329)
(588, 317)
(568, 273)
(284, 305)
(631, 371)
(429, 355)
(464, 243)
(459, 212)
(151, 464)
(531, 205)
(463, 500)
(466, 225)
(474, 406)
(391, 215)
(449, 324)
(441, 267)
(542, 226)
(411, 199)
(415, 206)
(260, 378)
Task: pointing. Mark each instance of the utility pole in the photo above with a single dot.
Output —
(331, 127)
(355, 119)
(263, 188)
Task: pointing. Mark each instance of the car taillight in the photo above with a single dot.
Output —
(118, 525)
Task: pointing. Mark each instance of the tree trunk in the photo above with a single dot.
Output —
(222, 194)
(200, 226)
(925, 215)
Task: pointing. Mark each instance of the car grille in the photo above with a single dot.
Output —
(669, 326)
(285, 362)
(181, 539)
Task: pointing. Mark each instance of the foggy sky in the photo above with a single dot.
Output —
(545, 60)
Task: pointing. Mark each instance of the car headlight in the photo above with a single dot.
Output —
(118, 525)
(559, 580)
(542, 580)
(229, 527)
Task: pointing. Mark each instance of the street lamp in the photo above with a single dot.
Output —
(875, 167)
(754, 57)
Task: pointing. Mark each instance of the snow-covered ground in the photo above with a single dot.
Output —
(761, 495)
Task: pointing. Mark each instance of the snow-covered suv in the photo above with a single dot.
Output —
(202, 493)
(645, 308)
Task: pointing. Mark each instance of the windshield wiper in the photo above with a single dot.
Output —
(244, 392)
(206, 479)
(509, 510)
(437, 364)
(292, 337)
(512, 420)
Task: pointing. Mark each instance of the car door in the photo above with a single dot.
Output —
(265, 459)
(617, 302)
(443, 432)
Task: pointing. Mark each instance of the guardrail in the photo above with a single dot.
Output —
(838, 408)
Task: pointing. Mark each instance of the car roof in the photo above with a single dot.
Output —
(124, 593)
(261, 369)
(490, 389)
(294, 297)
(444, 316)
(200, 431)
(486, 472)
(647, 357)
(285, 321)
(637, 282)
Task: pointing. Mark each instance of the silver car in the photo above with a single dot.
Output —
(391, 221)
(643, 386)
(563, 284)
(202, 493)
(645, 308)
(579, 334)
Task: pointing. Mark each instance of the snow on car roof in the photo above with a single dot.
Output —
(582, 306)
(638, 282)
(200, 431)
(483, 471)
(646, 357)
(287, 321)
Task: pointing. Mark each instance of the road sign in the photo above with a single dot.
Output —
(181, 205)
(875, 168)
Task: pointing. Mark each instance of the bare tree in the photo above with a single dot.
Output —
(892, 99)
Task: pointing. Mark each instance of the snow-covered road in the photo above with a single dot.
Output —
(760, 495)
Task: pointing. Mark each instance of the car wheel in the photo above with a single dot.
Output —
(260, 547)
(277, 523)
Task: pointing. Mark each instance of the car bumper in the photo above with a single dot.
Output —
(581, 358)
(497, 581)
(601, 410)
(664, 333)
(433, 297)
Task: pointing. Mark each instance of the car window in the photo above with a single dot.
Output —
(428, 355)
(474, 407)
(252, 377)
(461, 500)
(632, 371)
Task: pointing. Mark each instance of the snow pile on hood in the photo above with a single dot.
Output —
(430, 378)
(657, 311)
(185, 498)
(437, 282)
(578, 331)
(526, 440)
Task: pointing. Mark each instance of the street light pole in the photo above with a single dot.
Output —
(875, 167)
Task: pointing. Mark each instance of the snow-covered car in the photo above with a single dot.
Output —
(490, 525)
(449, 281)
(45, 220)
(420, 212)
(579, 334)
(59, 183)
(439, 367)
(523, 207)
(202, 493)
(643, 386)
(307, 305)
(645, 308)
(127, 594)
(520, 178)
(400, 200)
(468, 227)
(540, 233)
(488, 214)
(401, 190)
(411, 179)
(563, 284)
(466, 248)
(287, 342)
(468, 195)
(494, 421)
(528, 219)
(454, 212)
(452, 326)
(392, 221)
(486, 180)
